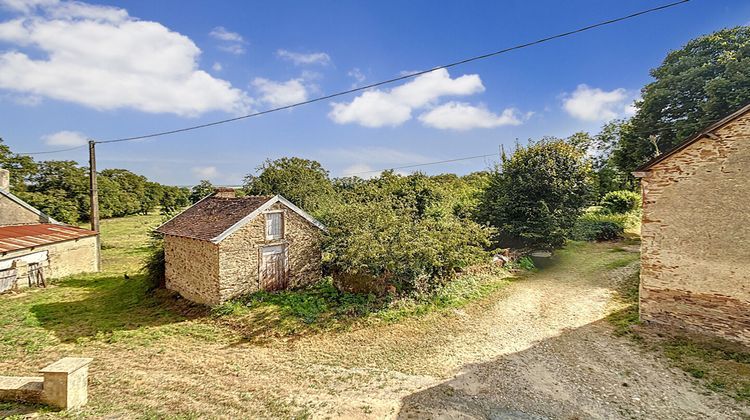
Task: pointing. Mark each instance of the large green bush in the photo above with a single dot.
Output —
(597, 226)
(397, 231)
(619, 202)
(536, 195)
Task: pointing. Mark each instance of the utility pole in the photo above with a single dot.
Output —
(94, 201)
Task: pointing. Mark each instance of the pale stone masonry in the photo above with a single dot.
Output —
(64, 385)
(226, 246)
(695, 249)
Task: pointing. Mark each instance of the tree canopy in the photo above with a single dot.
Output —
(304, 182)
(695, 86)
(535, 196)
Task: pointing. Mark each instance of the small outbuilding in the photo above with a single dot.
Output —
(34, 247)
(695, 249)
(226, 246)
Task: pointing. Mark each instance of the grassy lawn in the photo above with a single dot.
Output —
(107, 307)
(719, 365)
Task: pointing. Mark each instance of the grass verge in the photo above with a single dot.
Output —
(720, 365)
(322, 307)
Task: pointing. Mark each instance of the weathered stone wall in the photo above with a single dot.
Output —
(63, 258)
(240, 253)
(192, 269)
(695, 262)
(12, 213)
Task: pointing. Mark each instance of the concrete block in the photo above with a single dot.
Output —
(66, 382)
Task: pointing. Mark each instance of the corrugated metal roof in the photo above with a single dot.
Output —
(17, 237)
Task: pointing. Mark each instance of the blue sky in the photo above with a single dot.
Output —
(74, 70)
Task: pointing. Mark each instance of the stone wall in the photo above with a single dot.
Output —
(63, 258)
(695, 250)
(12, 213)
(192, 269)
(240, 253)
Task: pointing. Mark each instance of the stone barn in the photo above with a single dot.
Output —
(34, 247)
(226, 246)
(695, 249)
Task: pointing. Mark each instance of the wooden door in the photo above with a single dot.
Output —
(273, 268)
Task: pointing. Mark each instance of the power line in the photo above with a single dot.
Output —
(396, 79)
(52, 151)
(423, 164)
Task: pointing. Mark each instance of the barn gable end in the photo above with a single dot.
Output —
(214, 250)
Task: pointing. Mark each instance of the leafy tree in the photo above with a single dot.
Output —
(304, 182)
(53, 203)
(695, 86)
(173, 199)
(20, 167)
(152, 196)
(200, 191)
(536, 195)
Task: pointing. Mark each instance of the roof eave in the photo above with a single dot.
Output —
(707, 132)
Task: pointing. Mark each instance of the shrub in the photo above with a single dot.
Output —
(620, 202)
(154, 267)
(595, 226)
(535, 196)
(394, 231)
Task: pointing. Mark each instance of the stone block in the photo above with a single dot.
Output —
(21, 388)
(66, 383)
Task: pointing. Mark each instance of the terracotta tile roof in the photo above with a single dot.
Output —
(17, 237)
(211, 217)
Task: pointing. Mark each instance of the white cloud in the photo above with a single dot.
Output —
(304, 58)
(357, 75)
(463, 116)
(280, 93)
(377, 108)
(236, 49)
(25, 6)
(593, 104)
(217, 67)
(205, 172)
(233, 42)
(102, 58)
(222, 34)
(65, 138)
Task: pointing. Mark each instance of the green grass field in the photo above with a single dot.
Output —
(108, 308)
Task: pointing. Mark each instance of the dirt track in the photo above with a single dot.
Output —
(537, 349)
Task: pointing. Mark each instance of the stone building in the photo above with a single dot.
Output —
(226, 246)
(33, 246)
(695, 249)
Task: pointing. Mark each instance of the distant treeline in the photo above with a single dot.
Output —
(60, 188)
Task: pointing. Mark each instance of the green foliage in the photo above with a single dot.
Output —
(323, 307)
(696, 85)
(54, 204)
(401, 230)
(597, 226)
(526, 263)
(622, 201)
(303, 182)
(154, 265)
(173, 199)
(20, 167)
(60, 189)
(200, 191)
(535, 197)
